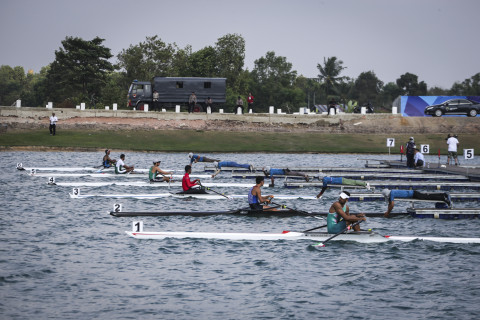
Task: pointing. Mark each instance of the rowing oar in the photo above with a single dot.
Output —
(300, 211)
(221, 194)
(322, 244)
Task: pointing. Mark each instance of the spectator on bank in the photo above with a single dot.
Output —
(192, 101)
(239, 107)
(53, 124)
(452, 143)
(156, 96)
(410, 152)
(208, 104)
(250, 101)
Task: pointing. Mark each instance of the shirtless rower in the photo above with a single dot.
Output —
(155, 171)
(339, 216)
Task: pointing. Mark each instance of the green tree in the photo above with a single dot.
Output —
(148, 59)
(469, 87)
(203, 63)
(410, 86)
(389, 93)
(230, 52)
(367, 87)
(80, 69)
(330, 74)
(12, 81)
(274, 82)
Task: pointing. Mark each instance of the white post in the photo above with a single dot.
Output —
(220, 111)
(279, 111)
(82, 106)
(115, 107)
(331, 111)
(50, 105)
(250, 111)
(271, 109)
(209, 110)
(19, 103)
(145, 107)
(177, 108)
(307, 110)
(363, 110)
(107, 108)
(239, 110)
(163, 110)
(394, 110)
(77, 107)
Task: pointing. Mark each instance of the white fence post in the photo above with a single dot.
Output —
(177, 108)
(271, 109)
(19, 103)
(115, 107)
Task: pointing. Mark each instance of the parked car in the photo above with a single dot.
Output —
(454, 106)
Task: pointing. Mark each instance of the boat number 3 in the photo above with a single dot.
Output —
(117, 207)
(137, 226)
(76, 191)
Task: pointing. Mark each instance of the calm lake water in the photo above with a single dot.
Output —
(69, 259)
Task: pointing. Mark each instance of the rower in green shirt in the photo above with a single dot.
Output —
(339, 216)
(155, 170)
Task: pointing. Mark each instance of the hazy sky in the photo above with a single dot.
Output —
(434, 39)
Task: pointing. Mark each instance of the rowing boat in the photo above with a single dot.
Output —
(361, 236)
(236, 212)
(77, 195)
(149, 184)
(112, 175)
(445, 185)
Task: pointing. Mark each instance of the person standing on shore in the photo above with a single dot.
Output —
(239, 107)
(410, 152)
(452, 143)
(250, 102)
(192, 101)
(53, 124)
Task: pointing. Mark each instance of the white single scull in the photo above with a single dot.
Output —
(210, 196)
(113, 175)
(149, 184)
(363, 237)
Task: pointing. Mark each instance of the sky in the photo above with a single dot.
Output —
(434, 39)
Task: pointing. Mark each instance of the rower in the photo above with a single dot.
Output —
(155, 170)
(188, 185)
(121, 167)
(390, 196)
(271, 172)
(255, 198)
(194, 158)
(341, 181)
(339, 216)
(219, 165)
(107, 162)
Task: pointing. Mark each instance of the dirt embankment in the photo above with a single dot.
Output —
(366, 124)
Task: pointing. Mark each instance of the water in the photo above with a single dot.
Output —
(69, 259)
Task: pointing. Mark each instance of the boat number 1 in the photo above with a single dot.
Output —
(137, 226)
(117, 207)
(468, 154)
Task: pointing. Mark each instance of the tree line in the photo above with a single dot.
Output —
(82, 72)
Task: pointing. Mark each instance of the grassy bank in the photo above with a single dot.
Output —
(213, 141)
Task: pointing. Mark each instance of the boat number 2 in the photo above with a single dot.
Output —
(137, 226)
(117, 207)
(468, 154)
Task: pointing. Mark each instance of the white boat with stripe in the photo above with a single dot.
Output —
(363, 237)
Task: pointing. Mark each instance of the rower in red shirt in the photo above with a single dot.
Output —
(188, 185)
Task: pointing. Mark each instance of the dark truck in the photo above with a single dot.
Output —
(176, 91)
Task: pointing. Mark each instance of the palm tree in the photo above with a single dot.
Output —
(330, 73)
